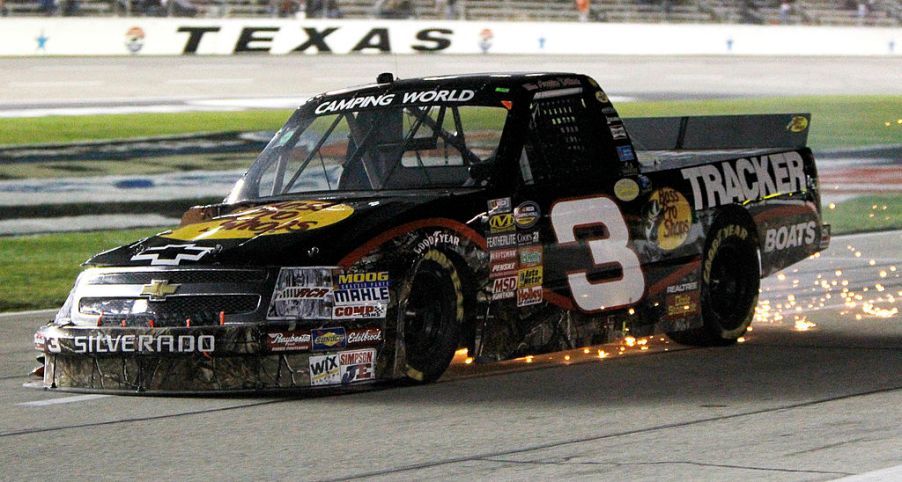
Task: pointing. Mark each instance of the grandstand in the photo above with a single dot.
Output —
(884, 13)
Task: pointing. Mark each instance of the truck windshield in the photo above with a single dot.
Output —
(403, 147)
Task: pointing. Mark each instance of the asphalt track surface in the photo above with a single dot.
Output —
(53, 82)
(814, 392)
(818, 404)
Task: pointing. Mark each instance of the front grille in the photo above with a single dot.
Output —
(174, 311)
(180, 277)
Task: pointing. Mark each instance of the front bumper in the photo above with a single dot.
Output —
(229, 358)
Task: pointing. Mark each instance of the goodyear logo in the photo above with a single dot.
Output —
(501, 222)
(527, 278)
(271, 219)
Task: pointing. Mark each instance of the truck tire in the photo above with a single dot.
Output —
(729, 287)
(432, 317)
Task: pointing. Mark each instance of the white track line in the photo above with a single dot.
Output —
(57, 401)
(888, 474)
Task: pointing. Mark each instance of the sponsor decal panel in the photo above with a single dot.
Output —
(626, 189)
(745, 179)
(279, 341)
(528, 238)
(502, 255)
(529, 296)
(302, 293)
(792, 236)
(375, 279)
(364, 337)
(357, 365)
(529, 277)
(527, 214)
(682, 287)
(798, 123)
(618, 132)
(501, 223)
(503, 269)
(504, 288)
(501, 240)
(684, 304)
(530, 256)
(272, 219)
(500, 205)
(328, 339)
(668, 218)
(324, 370)
(401, 98)
(626, 154)
(361, 295)
(363, 311)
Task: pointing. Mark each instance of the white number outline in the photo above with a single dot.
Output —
(611, 293)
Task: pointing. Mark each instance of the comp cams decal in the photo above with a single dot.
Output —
(745, 179)
(268, 220)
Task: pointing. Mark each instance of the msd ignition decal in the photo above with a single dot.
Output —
(504, 288)
(793, 236)
(745, 179)
(302, 293)
(406, 98)
(288, 341)
(328, 339)
(324, 370)
(357, 365)
(668, 218)
(172, 254)
(272, 219)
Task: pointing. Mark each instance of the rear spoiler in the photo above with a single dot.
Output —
(758, 131)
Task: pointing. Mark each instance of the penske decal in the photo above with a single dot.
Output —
(271, 219)
(745, 179)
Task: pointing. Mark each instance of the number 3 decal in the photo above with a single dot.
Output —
(566, 217)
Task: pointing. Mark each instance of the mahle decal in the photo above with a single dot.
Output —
(268, 220)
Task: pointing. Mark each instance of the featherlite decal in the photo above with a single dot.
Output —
(745, 179)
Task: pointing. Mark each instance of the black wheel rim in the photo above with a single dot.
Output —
(426, 314)
(730, 286)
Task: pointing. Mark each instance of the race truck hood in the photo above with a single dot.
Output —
(292, 232)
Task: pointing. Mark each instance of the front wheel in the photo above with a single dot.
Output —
(432, 317)
(729, 289)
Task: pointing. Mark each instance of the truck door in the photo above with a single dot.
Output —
(568, 168)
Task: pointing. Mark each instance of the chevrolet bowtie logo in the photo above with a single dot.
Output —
(158, 289)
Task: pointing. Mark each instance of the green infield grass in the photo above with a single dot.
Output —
(38, 271)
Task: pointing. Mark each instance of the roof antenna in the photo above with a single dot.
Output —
(385, 78)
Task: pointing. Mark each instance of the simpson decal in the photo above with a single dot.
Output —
(668, 218)
(357, 365)
(745, 179)
(802, 234)
(272, 219)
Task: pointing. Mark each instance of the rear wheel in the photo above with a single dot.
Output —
(729, 287)
(432, 317)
